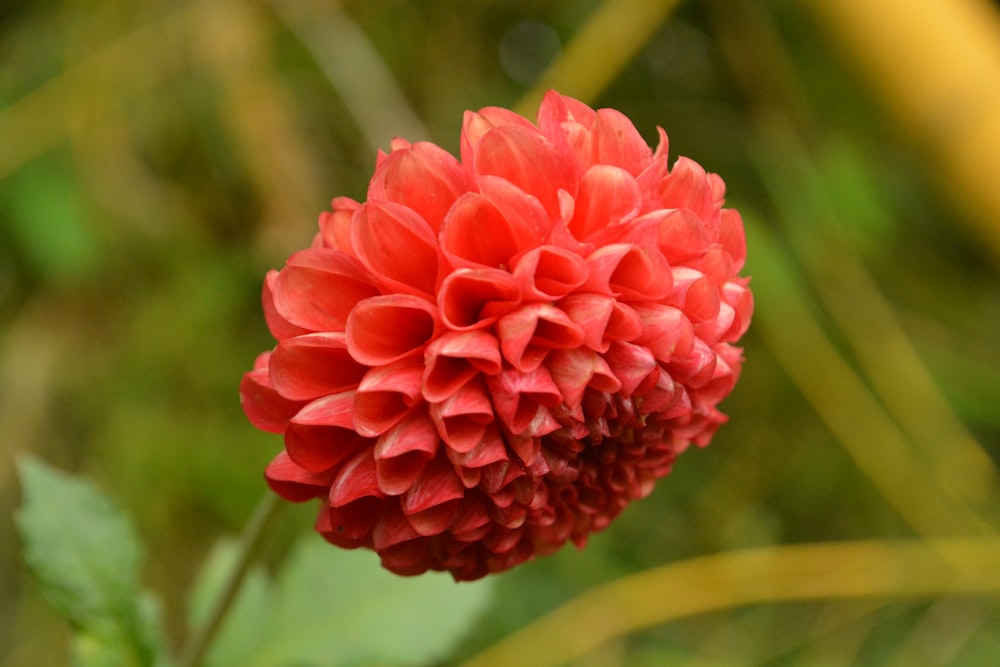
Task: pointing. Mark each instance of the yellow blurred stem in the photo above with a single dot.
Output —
(935, 64)
(725, 581)
(599, 50)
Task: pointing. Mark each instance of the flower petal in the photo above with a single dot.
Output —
(263, 405)
(321, 435)
(548, 272)
(462, 419)
(306, 367)
(629, 272)
(518, 396)
(397, 246)
(475, 298)
(527, 334)
(608, 196)
(616, 142)
(575, 370)
(318, 287)
(384, 329)
(402, 452)
(295, 483)
(385, 395)
(665, 331)
(457, 357)
(279, 327)
(335, 225)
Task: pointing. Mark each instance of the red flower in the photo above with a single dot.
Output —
(493, 356)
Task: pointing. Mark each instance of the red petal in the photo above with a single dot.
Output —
(518, 396)
(306, 367)
(665, 331)
(455, 358)
(384, 329)
(264, 407)
(682, 236)
(548, 272)
(279, 327)
(397, 245)
(575, 370)
(437, 484)
(528, 333)
(616, 142)
(462, 419)
(403, 451)
(422, 177)
(477, 123)
(385, 395)
(491, 448)
(608, 196)
(321, 435)
(294, 483)
(355, 480)
(530, 161)
(697, 294)
(318, 287)
(732, 236)
(475, 298)
(688, 186)
(335, 226)
(631, 364)
(393, 528)
(629, 272)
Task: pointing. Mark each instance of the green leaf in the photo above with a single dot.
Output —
(86, 558)
(335, 608)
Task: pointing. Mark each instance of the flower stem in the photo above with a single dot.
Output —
(267, 510)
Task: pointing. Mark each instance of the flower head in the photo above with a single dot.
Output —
(495, 355)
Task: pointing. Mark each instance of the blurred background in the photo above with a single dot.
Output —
(156, 158)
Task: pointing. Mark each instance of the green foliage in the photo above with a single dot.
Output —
(86, 559)
(329, 607)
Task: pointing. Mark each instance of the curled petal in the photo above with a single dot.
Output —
(602, 318)
(529, 160)
(279, 327)
(321, 435)
(665, 331)
(384, 329)
(475, 124)
(437, 484)
(475, 298)
(422, 177)
(295, 483)
(402, 452)
(697, 294)
(733, 237)
(318, 288)
(519, 396)
(457, 357)
(548, 272)
(688, 186)
(489, 450)
(697, 367)
(717, 264)
(631, 364)
(714, 331)
(575, 370)
(629, 272)
(306, 367)
(397, 245)
(263, 405)
(616, 142)
(335, 225)
(608, 196)
(527, 334)
(489, 231)
(393, 528)
(385, 395)
(355, 480)
(739, 296)
(462, 419)
(682, 235)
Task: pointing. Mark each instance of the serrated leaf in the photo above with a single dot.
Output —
(334, 608)
(86, 557)
(247, 618)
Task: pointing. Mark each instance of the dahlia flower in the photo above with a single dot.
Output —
(494, 355)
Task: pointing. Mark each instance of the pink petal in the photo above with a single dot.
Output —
(631, 364)
(475, 124)
(385, 395)
(602, 318)
(318, 287)
(682, 236)
(739, 296)
(616, 142)
(462, 419)
(665, 331)
(306, 367)
(384, 329)
(629, 272)
(696, 368)
(717, 264)
(527, 334)
(530, 161)
(455, 358)
(294, 483)
(264, 406)
(279, 327)
(688, 186)
(422, 177)
(519, 396)
(732, 236)
(397, 245)
(697, 293)
(608, 196)
(489, 227)
(547, 273)
(321, 435)
(575, 370)
(335, 225)
(402, 452)
(475, 298)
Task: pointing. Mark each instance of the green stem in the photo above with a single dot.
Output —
(266, 512)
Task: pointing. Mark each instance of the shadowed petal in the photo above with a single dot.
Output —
(682, 235)
(455, 358)
(697, 294)
(548, 272)
(384, 329)
(437, 484)
(385, 395)
(631, 364)
(527, 334)
(475, 298)
(462, 419)
(733, 237)
(402, 452)
(321, 435)
(518, 396)
(295, 483)
(608, 196)
(575, 370)
(665, 331)
(629, 272)
(264, 406)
